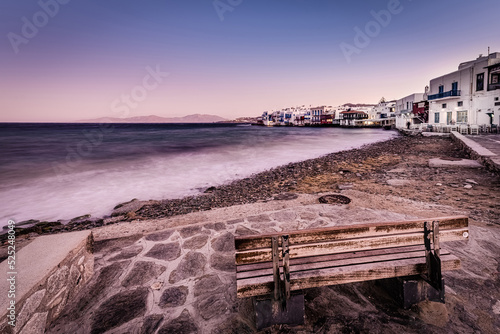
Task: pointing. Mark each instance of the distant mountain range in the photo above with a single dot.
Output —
(195, 118)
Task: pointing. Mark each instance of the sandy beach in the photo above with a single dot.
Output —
(184, 249)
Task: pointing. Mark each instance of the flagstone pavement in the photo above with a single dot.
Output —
(177, 275)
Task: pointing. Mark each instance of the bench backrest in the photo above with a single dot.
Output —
(333, 240)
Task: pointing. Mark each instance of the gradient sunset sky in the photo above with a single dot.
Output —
(238, 59)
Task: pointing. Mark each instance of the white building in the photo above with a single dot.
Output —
(307, 114)
(352, 118)
(384, 109)
(469, 95)
(296, 116)
(303, 116)
(267, 118)
(404, 110)
(366, 108)
(289, 116)
(318, 112)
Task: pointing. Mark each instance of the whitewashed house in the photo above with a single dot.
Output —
(280, 117)
(294, 116)
(384, 109)
(404, 110)
(382, 114)
(318, 114)
(352, 118)
(366, 108)
(307, 115)
(303, 116)
(267, 118)
(288, 116)
(468, 96)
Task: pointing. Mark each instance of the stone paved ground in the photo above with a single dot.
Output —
(177, 275)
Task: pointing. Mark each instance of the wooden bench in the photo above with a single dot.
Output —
(275, 265)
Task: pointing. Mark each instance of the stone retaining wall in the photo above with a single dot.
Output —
(42, 302)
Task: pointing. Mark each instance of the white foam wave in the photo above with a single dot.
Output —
(97, 191)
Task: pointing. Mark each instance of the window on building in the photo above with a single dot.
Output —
(480, 81)
(462, 116)
(443, 105)
(441, 89)
(454, 86)
(436, 117)
(460, 103)
(449, 117)
(496, 98)
(495, 78)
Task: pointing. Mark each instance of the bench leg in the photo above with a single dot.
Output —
(269, 312)
(408, 291)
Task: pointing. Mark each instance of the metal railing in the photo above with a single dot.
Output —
(444, 94)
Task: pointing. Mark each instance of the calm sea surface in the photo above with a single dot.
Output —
(60, 171)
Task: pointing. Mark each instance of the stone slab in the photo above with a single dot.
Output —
(398, 182)
(465, 163)
(36, 260)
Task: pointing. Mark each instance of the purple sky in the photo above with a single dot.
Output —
(88, 59)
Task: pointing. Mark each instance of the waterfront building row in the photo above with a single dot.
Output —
(348, 115)
(469, 97)
(299, 116)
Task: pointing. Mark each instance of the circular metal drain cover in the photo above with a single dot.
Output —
(334, 199)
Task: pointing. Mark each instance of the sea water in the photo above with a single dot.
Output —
(60, 171)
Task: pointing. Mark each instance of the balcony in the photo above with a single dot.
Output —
(443, 95)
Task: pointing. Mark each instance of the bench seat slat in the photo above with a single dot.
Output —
(347, 232)
(330, 257)
(256, 286)
(318, 263)
(342, 246)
